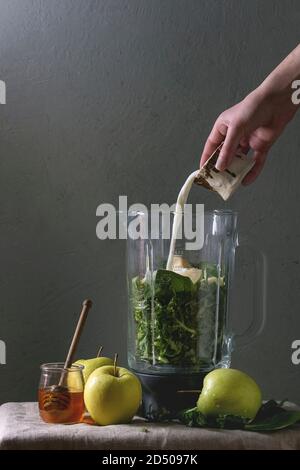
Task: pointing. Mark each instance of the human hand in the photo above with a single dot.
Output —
(254, 123)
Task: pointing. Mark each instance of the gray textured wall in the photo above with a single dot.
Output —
(108, 97)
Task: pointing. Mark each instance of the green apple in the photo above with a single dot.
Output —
(92, 364)
(229, 391)
(112, 395)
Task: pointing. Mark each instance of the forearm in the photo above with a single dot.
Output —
(281, 78)
(259, 119)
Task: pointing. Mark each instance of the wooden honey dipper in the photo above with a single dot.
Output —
(58, 396)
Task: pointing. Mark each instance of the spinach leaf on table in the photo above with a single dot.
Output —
(271, 417)
(194, 418)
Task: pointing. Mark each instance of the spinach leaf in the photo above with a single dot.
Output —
(271, 417)
(193, 418)
(176, 319)
(269, 409)
(229, 422)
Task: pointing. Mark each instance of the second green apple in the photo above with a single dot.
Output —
(92, 364)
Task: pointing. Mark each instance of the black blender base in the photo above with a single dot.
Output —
(163, 396)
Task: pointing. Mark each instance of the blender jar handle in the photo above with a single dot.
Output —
(259, 309)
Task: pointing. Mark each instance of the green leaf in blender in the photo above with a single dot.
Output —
(176, 318)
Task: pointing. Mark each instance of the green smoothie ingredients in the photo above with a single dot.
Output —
(177, 316)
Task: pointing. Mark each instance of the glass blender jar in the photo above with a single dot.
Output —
(178, 326)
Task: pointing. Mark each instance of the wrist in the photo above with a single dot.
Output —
(277, 93)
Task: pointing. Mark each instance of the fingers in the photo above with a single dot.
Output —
(229, 148)
(233, 138)
(260, 158)
(244, 145)
(214, 140)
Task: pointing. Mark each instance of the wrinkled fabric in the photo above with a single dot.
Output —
(22, 428)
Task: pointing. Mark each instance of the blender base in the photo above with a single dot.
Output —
(161, 396)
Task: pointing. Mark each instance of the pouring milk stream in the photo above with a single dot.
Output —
(179, 208)
(222, 182)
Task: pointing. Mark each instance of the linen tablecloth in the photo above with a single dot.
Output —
(22, 428)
